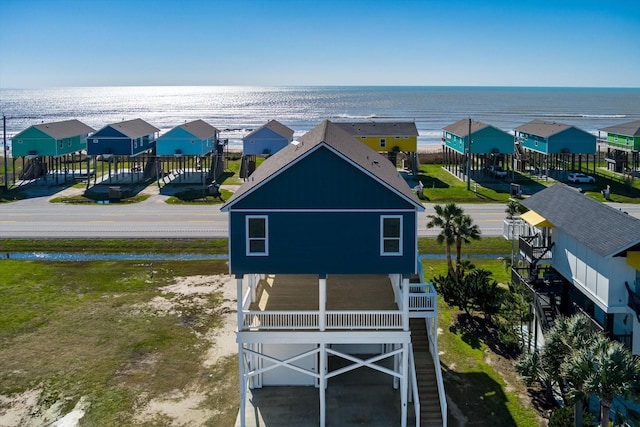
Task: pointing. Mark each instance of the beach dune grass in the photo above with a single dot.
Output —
(85, 329)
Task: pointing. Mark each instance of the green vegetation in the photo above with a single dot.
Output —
(110, 246)
(198, 197)
(89, 329)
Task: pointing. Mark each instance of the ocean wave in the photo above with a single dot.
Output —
(584, 116)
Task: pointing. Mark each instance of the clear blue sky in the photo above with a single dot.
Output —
(50, 43)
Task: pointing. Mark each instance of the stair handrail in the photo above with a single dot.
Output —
(414, 388)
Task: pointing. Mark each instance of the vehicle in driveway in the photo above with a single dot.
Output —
(577, 177)
(497, 171)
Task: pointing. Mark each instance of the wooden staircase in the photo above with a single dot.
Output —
(430, 413)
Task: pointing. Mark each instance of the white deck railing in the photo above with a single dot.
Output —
(422, 297)
(309, 320)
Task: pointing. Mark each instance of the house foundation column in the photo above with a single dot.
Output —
(240, 318)
(323, 386)
(243, 385)
(405, 303)
(404, 384)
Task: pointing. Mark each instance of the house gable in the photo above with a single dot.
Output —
(180, 141)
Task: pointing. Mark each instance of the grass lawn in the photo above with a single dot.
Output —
(87, 329)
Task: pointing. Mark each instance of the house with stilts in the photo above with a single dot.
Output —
(50, 147)
(192, 147)
(263, 141)
(128, 146)
(550, 148)
(323, 246)
(580, 255)
(490, 149)
(390, 138)
(623, 146)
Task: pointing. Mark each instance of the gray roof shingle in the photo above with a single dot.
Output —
(200, 129)
(542, 128)
(135, 128)
(372, 128)
(461, 127)
(330, 135)
(277, 127)
(603, 229)
(626, 129)
(64, 129)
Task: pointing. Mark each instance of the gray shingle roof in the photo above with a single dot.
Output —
(200, 129)
(542, 128)
(603, 229)
(626, 129)
(332, 136)
(461, 127)
(379, 128)
(277, 127)
(64, 129)
(135, 128)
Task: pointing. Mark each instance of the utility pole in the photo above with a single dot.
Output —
(469, 158)
(4, 140)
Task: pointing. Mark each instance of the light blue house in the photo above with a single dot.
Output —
(267, 139)
(547, 146)
(196, 138)
(323, 245)
(487, 145)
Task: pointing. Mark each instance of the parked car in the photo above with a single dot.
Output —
(577, 177)
(497, 171)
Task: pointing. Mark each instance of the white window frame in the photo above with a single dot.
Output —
(383, 239)
(248, 218)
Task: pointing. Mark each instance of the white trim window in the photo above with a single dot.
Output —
(257, 232)
(390, 235)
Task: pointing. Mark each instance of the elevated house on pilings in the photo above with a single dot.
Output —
(581, 255)
(51, 147)
(623, 147)
(323, 245)
(264, 141)
(388, 138)
(191, 148)
(549, 148)
(487, 145)
(132, 143)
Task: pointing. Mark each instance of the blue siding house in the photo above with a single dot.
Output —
(549, 146)
(128, 138)
(323, 245)
(196, 138)
(267, 139)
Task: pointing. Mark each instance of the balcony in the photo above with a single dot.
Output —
(368, 302)
(534, 248)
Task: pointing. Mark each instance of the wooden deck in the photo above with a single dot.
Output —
(344, 292)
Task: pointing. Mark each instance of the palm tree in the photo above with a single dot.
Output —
(465, 231)
(605, 368)
(444, 218)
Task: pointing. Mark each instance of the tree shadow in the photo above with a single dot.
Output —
(476, 330)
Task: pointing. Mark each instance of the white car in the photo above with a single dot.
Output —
(576, 177)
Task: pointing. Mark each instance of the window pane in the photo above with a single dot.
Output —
(392, 246)
(391, 227)
(257, 227)
(257, 246)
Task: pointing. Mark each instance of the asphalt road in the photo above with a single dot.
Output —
(37, 218)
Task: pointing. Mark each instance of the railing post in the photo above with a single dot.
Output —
(322, 298)
(405, 303)
(240, 310)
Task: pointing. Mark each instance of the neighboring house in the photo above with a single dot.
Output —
(488, 145)
(196, 138)
(51, 139)
(128, 138)
(387, 137)
(46, 147)
(323, 245)
(582, 255)
(548, 146)
(623, 151)
(267, 139)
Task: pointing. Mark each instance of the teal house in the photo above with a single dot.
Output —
(551, 146)
(196, 138)
(487, 145)
(623, 146)
(51, 139)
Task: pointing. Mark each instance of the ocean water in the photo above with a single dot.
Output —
(238, 110)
